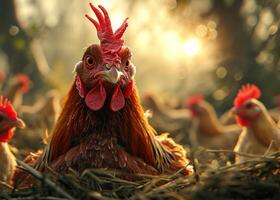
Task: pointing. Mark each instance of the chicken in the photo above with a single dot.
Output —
(175, 121)
(227, 118)
(102, 124)
(44, 113)
(40, 119)
(210, 132)
(18, 85)
(260, 133)
(8, 122)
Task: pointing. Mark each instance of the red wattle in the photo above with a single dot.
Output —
(80, 87)
(96, 97)
(6, 136)
(242, 121)
(117, 101)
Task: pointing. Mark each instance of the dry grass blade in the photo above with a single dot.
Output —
(265, 156)
(6, 185)
(258, 177)
(39, 176)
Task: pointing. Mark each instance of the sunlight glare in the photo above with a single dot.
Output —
(192, 46)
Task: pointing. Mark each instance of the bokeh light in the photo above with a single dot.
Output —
(192, 46)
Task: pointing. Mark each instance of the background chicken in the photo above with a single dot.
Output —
(229, 118)
(44, 112)
(102, 124)
(210, 132)
(164, 118)
(260, 133)
(16, 87)
(39, 113)
(8, 122)
(40, 119)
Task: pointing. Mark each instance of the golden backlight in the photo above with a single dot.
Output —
(192, 46)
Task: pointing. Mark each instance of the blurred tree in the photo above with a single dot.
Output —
(240, 47)
(15, 43)
(247, 47)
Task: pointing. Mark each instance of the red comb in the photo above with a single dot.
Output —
(24, 80)
(193, 100)
(110, 42)
(7, 107)
(248, 91)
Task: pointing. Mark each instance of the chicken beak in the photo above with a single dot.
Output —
(113, 75)
(11, 124)
(77, 66)
(18, 123)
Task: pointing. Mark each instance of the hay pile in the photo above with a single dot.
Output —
(257, 178)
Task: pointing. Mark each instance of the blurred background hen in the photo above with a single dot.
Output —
(39, 116)
(164, 118)
(210, 132)
(260, 135)
(9, 121)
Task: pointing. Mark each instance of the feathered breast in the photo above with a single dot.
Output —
(129, 125)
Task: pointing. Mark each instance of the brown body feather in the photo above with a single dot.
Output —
(83, 138)
(77, 121)
(211, 132)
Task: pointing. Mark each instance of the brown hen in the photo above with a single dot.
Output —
(102, 123)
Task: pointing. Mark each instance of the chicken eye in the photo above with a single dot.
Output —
(89, 62)
(126, 68)
(127, 63)
(249, 106)
(1, 118)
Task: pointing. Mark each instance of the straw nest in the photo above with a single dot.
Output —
(257, 178)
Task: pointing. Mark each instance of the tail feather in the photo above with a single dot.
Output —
(42, 161)
(172, 156)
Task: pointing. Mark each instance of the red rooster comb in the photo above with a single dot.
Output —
(110, 42)
(246, 92)
(7, 107)
(25, 81)
(193, 100)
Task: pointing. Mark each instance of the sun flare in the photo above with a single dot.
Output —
(192, 46)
